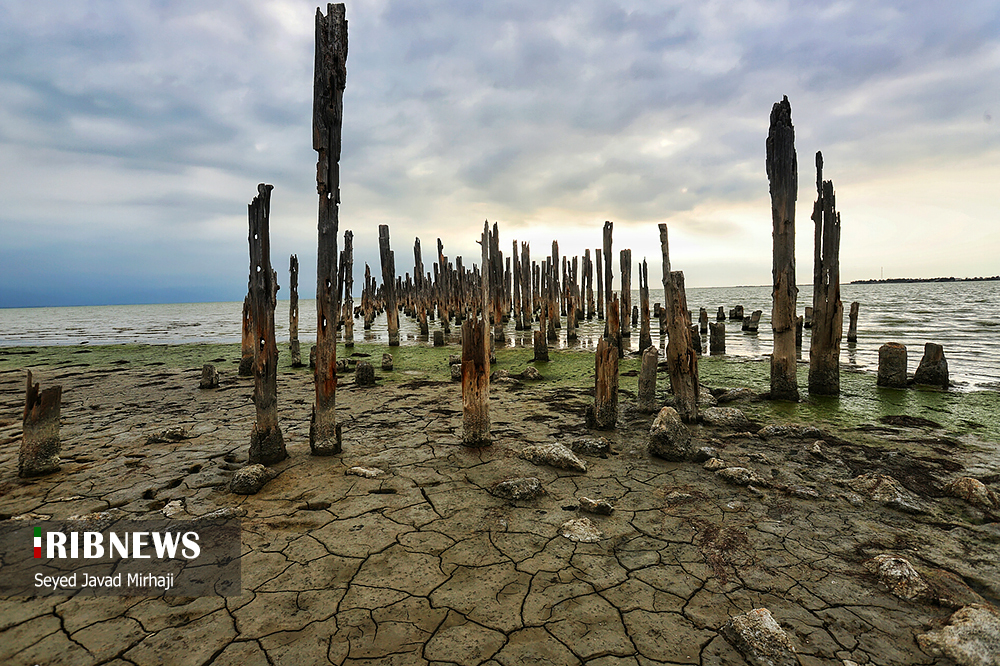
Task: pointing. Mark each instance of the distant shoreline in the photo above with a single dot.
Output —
(918, 280)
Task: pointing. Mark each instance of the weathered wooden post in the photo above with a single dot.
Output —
(348, 307)
(892, 365)
(329, 81)
(293, 311)
(422, 288)
(246, 346)
(588, 279)
(703, 321)
(808, 319)
(754, 321)
(782, 175)
(682, 362)
(527, 301)
(40, 444)
(828, 311)
(645, 336)
(717, 337)
(721, 314)
(600, 284)
(476, 362)
(389, 284)
(606, 376)
(852, 329)
(798, 333)
(608, 231)
(267, 446)
(933, 368)
(696, 338)
(625, 256)
(647, 380)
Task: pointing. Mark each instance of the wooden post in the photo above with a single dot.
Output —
(516, 274)
(527, 305)
(647, 380)
(246, 347)
(40, 444)
(606, 383)
(293, 311)
(703, 320)
(600, 284)
(892, 365)
(476, 362)
(608, 229)
(852, 329)
(329, 81)
(717, 337)
(389, 284)
(267, 446)
(782, 175)
(682, 362)
(588, 283)
(721, 314)
(828, 310)
(625, 257)
(645, 335)
(348, 308)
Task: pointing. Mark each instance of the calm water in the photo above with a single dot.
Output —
(961, 316)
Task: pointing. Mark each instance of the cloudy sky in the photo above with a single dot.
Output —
(133, 135)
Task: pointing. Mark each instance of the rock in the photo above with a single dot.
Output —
(741, 476)
(174, 508)
(531, 372)
(899, 577)
(669, 438)
(601, 507)
(591, 446)
(974, 492)
(949, 590)
(526, 488)
(168, 435)
(705, 454)
(933, 368)
(972, 637)
(502, 377)
(725, 417)
(736, 394)
(250, 479)
(715, 464)
(803, 492)
(555, 455)
(364, 374)
(706, 399)
(455, 359)
(886, 490)
(366, 472)
(760, 639)
(387, 362)
(456, 372)
(776, 431)
(580, 529)
(209, 377)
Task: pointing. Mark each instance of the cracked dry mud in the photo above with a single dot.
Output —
(421, 564)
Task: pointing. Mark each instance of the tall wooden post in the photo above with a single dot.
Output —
(828, 311)
(329, 81)
(606, 375)
(267, 446)
(293, 311)
(476, 362)
(246, 346)
(645, 334)
(608, 229)
(348, 307)
(852, 328)
(599, 269)
(389, 284)
(527, 305)
(625, 256)
(40, 444)
(647, 380)
(588, 278)
(782, 174)
(422, 288)
(682, 362)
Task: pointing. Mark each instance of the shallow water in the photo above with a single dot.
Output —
(961, 316)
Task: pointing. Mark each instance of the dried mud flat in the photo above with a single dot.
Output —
(423, 564)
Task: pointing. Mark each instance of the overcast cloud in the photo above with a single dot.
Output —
(133, 134)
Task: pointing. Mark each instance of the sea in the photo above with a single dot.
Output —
(964, 317)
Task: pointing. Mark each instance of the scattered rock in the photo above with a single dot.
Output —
(888, 491)
(736, 394)
(933, 368)
(601, 507)
(705, 453)
(555, 455)
(514, 490)
(725, 417)
(366, 472)
(591, 446)
(949, 590)
(677, 497)
(455, 359)
(741, 476)
(580, 529)
(760, 639)
(531, 372)
(364, 374)
(972, 637)
(173, 509)
(386, 362)
(899, 577)
(168, 435)
(209, 377)
(669, 438)
(706, 399)
(817, 449)
(250, 479)
(715, 464)
(502, 376)
(974, 492)
(904, 421)
(456, 372)
(803, 492)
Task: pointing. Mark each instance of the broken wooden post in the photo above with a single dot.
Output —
(348, 307)
(782, 176)
(852, 329)
(645, 336)
(293, 311)
(329, 81)
(828, 311)
(209, 377)
(721, 314)
(246, 346)
(647, 380)
(682, 362)
(736, 313)
(606, 383)
(892, 365)
(389, 284)
(588, 280)
(599, 270)
(608, 230)
(753, 321)
(40, 444)
(527, 300)
(476, 362)
(808, 323)
(933, 368)
(625, 257)
(422, 289)
(703, 321)
(717, 337)
(696, 338)
(267, 446)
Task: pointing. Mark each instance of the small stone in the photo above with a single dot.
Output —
(250, 479)
(531, 372)
(456, 372)
(898, 576)
(803, 493)
(555, 455)
(974, 492)
(209, 377)
(817, 449)
(736, 394)
(455, 359)
(580, 529)
(514, 490)
(760, 639)
(591, 446)
(173, 508)
(886, 490)
(715, 464)
(364, 374)
(705, 453)
(387, 362)
(775, 431)
(725, 417)
(734, 506)
(169, 435)
(741, 476)
(669, 438)
(601, 507)
(677, 497)
(366, 472)
(972, 637)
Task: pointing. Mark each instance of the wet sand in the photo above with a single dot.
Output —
(424, 565)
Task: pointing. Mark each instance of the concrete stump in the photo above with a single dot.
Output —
(892, 365)
(364, 374)
(40, 443)
(209, 377)
(933, 368)
(717, 337)
(647, 380)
